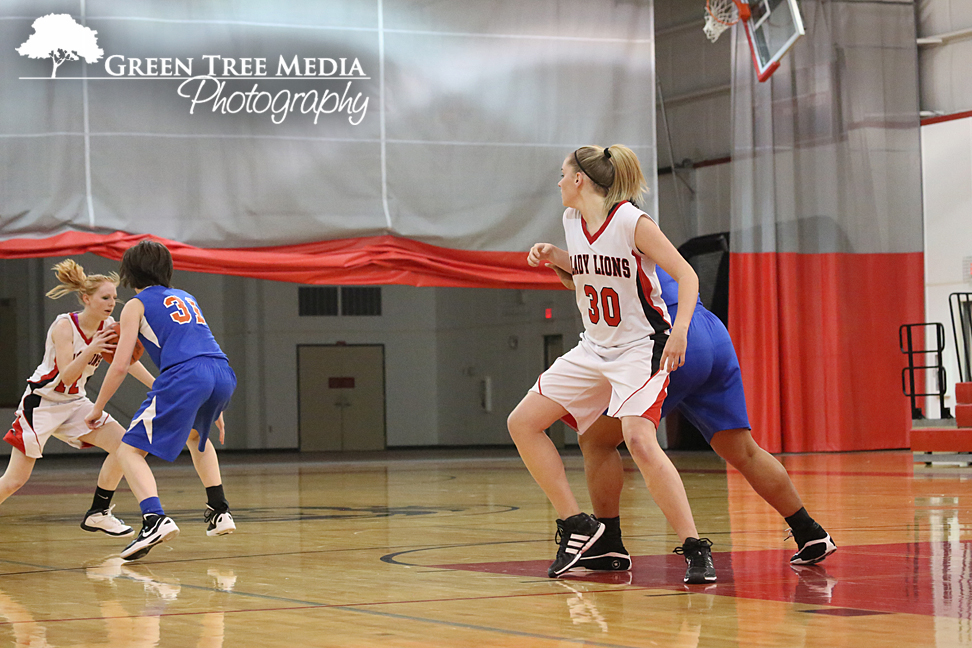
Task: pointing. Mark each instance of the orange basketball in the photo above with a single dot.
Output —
(136, 354)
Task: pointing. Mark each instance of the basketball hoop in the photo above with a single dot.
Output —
(720, 15)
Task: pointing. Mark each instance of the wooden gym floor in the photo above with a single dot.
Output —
(450, 548)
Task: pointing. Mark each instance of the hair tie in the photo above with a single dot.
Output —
(584, 171)
(607, 151)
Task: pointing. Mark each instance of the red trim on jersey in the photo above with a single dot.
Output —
(77, 325)
(53, 372)
(591, 239)
(653, 413)
(15, 436)
(648, 288)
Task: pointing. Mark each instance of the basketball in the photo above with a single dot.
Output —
(136, 354)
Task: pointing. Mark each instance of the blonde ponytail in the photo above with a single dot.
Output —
(615, 171)
(72, 279)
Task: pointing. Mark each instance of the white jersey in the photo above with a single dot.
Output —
(46, 380)
(617, 291)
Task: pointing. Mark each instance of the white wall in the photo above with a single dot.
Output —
(439, 344)
(946, 160)
(943, 67)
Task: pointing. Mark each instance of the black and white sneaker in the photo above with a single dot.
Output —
(218, 522)
(155, 529)
(105, 522)
(813, 545)
(576, 535)
(606, 554)
(699, 568)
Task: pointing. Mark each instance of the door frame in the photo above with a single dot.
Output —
(384, 385)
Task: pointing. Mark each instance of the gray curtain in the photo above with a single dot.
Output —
(471, 107)
(826, 153)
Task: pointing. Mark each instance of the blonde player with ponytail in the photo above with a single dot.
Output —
(55, 404)
(622, 362)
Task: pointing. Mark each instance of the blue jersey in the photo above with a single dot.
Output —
(173, 329)
(669, 288)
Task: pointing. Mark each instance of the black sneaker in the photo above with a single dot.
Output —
(698, 560)
(813, 545)
(155, 529)
(218, 522)
(576, 535)
(606, 554)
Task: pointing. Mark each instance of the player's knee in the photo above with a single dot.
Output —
(737, 447)
(11, 483)
(514, 424)
(520, 424)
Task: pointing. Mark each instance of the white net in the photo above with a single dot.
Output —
(720, 15)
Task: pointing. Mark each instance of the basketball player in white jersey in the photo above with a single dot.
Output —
(622, 361)
(55, 403)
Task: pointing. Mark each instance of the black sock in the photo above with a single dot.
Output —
(612, 526)
(804, 527)
(215, 498)
(800, 520)
(102, 499)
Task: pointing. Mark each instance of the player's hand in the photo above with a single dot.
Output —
(103, 340)
(540, 253)
(221, 426)
(93, 419)
(674, 355)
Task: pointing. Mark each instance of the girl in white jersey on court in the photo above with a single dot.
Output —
(612, 248)
(55, 403)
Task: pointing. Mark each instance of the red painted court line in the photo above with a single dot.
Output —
(926, 578)
(720, 471)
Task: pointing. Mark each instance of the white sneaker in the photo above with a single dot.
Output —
(106, 522)
(155, 529)
(225, 578)
(218, 523)
(164, 590)
(106, 570)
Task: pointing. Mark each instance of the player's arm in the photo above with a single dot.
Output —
(565, 277)
(656, 246)
(138, 371)
(70, 367)
(131, 315)
(548, 254)
(221, 426)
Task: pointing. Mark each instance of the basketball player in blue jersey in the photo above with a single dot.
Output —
(708, 391)
(193, 388)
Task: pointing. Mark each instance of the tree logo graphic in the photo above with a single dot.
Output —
(61, 38)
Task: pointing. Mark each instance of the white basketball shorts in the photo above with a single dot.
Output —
(587, 380)
(39, 419)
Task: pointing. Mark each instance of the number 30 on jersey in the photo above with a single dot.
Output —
(607, 305)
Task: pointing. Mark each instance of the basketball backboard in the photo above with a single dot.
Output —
(772, 29)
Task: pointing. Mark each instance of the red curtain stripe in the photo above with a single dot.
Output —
(817, 339)
(374, 260)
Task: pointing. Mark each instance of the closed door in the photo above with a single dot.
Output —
(341, 391)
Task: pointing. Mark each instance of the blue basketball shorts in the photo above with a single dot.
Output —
(188, 396)
(708, 388)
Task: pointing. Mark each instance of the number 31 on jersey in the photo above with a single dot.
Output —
(181, 315)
